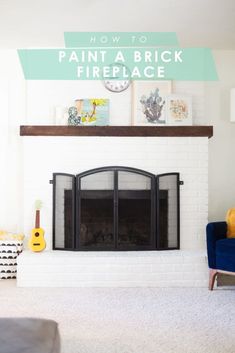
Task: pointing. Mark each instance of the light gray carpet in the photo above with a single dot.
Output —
(135, 320)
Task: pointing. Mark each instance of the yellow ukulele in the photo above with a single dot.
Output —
(37, 241)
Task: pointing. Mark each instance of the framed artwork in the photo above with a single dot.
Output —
(179, 110)
(149, 102)
(93, 111)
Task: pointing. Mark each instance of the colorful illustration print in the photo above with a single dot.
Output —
(93, 111)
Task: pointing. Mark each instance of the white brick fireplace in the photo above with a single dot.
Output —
(186, 155)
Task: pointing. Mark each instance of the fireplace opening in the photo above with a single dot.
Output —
(116, 208)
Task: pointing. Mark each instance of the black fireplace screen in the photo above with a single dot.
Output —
(115, 208)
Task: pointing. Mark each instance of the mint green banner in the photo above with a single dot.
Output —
(119, 39)
(195, 64)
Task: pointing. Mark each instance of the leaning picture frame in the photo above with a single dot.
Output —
(149, 102)
(179, 110)
(89, 112)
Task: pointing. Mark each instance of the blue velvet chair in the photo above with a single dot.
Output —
(220, 250)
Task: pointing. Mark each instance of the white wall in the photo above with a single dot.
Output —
(210, 105)
(44, 96)
(222, 145)
(12, 108)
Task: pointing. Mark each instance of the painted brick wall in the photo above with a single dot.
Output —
(184, 268)
(188, 156)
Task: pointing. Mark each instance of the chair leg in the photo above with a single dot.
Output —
(212, 276)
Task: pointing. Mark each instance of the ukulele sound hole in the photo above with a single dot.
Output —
(36, 234)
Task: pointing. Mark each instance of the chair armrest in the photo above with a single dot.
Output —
(214, 232)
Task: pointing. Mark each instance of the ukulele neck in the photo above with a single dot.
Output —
(37, 219)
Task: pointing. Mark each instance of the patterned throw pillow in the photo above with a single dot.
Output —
(230, 219)
(4, 235)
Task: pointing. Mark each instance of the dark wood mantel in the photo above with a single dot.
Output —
(121, 131)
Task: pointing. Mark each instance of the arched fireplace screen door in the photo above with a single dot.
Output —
(115, 208)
